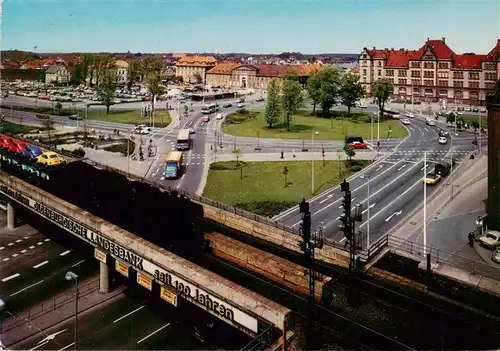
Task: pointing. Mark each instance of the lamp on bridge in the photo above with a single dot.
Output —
(72, 276)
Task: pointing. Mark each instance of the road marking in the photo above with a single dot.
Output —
(42, 344)
(67, 346)
(342, 240)
(10, 277)
(39, 243)
(371, 206)
(153, 333)
(31, 247)
(26, 288)
(403, 166)
(65, 253)
(76, 264)
(2, 247)
(15, 255)
(392, 215)
(41, 264)
(18, 240)
(128, 314)
(47, 240)
(24, 251)
(327, 198)
(10, 244)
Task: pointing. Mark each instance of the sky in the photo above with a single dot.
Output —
(258, 26)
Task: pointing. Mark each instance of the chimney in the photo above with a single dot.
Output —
(392, 49)
(428, 39)
(374, 46)
(443, 39)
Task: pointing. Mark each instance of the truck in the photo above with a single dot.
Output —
(173, 165)
(442, 168)
(183, 139)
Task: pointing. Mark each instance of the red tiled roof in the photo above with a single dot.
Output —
(377, 53)
(224, 68)
(468, 61)
(197, 61)
(397, 59)
(494, 53)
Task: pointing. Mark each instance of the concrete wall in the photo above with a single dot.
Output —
(281, 271)
(237, 296)
(328, 254)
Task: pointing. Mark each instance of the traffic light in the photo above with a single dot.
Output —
(345, 217)
(323, 152)
(305, 226)
(346, 204)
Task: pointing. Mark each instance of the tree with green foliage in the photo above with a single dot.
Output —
(106, 89)
(475, 125)
(313, 90)
(58, 107)
(291, 98)
(273, 107)
(325, 85)
(48, 124)
(349, 151)
(153, 81)
(450, 117)
(285, 173)
(134, 73)
(237, 154)
(351, 91)
(382, 90)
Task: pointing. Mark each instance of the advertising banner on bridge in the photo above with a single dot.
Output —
(122, 268)
(145, 281)
(100, 255)
(169, 295)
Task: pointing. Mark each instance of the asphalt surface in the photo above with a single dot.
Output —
(396, 186)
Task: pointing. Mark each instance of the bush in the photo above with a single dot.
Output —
(266, 208)
(226, 166)
(241, 116)
(80, 152)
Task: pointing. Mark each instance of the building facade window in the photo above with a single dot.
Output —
(415, 81)
(402, 73)
(489, 86)
(473, 75)
(390, 73)
(379, 72)
(490, 76)
(415, 74)
(428, 82)
(402, 81)
(429, 65)
(458, 75)
(458, 84)
(443, 83)
(443, 65)
(364, 72)
(443, 74)
(474, 85)
(489, 66)
(428, 74)
(415, 64)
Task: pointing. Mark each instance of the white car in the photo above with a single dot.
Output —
(240, 105)
(409, 114)
(219, 116)
(430, 122)
(443, 140)
(405, 121)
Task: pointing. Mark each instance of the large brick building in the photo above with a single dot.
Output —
(231, 74)
(432, 73)
(194, 67)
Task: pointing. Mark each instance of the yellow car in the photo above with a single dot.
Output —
(50, 158)
(432, 179)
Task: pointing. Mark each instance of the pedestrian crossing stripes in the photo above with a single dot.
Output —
(440, 152)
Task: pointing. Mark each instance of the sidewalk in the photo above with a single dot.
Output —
(298, 156)
(469, 172)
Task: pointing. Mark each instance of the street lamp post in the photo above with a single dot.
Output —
(72, 276)
(368, 213)
(312, 169)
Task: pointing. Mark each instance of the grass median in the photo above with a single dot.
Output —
(269, 188)
(337, 126)
(14, 128)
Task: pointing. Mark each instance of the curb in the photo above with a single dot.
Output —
(314, 198)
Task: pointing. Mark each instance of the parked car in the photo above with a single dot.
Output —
(491, 240)
(240, 105)
(227, 104)
(142, 129)
(443, 140)
(496, 255)
(50, 158)
(358, 145)
(432, 178)
(482, 110)
(76, 117)
(260, 99)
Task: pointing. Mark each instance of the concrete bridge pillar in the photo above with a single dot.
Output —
(11, 215)
(104, 278)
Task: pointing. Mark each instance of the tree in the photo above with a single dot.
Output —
(291, 99)
(106, 89)
(475, 125)
(102, 63)
(58, 106)
(48, 124)
(324, 86)
(313, 90)
(450, 117)
(285, 173)
(153, 80)
(349, 151)
(351, 91)
(134, 73)
(237, 155)
(273, 107)
(382, 90)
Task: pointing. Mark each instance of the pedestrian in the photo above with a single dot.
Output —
(471, 239)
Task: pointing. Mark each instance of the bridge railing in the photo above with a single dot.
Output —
(437, 256)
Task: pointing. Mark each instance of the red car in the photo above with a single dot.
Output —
(17, 145)
(358, 145)
(5, 141)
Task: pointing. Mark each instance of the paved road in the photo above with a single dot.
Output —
(395, 183)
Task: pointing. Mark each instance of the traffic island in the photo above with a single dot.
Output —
(269, 188)
(335, 126)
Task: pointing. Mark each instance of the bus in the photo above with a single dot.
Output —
(184, 140)
(208, 109)
(392, 114)
(173, 165)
